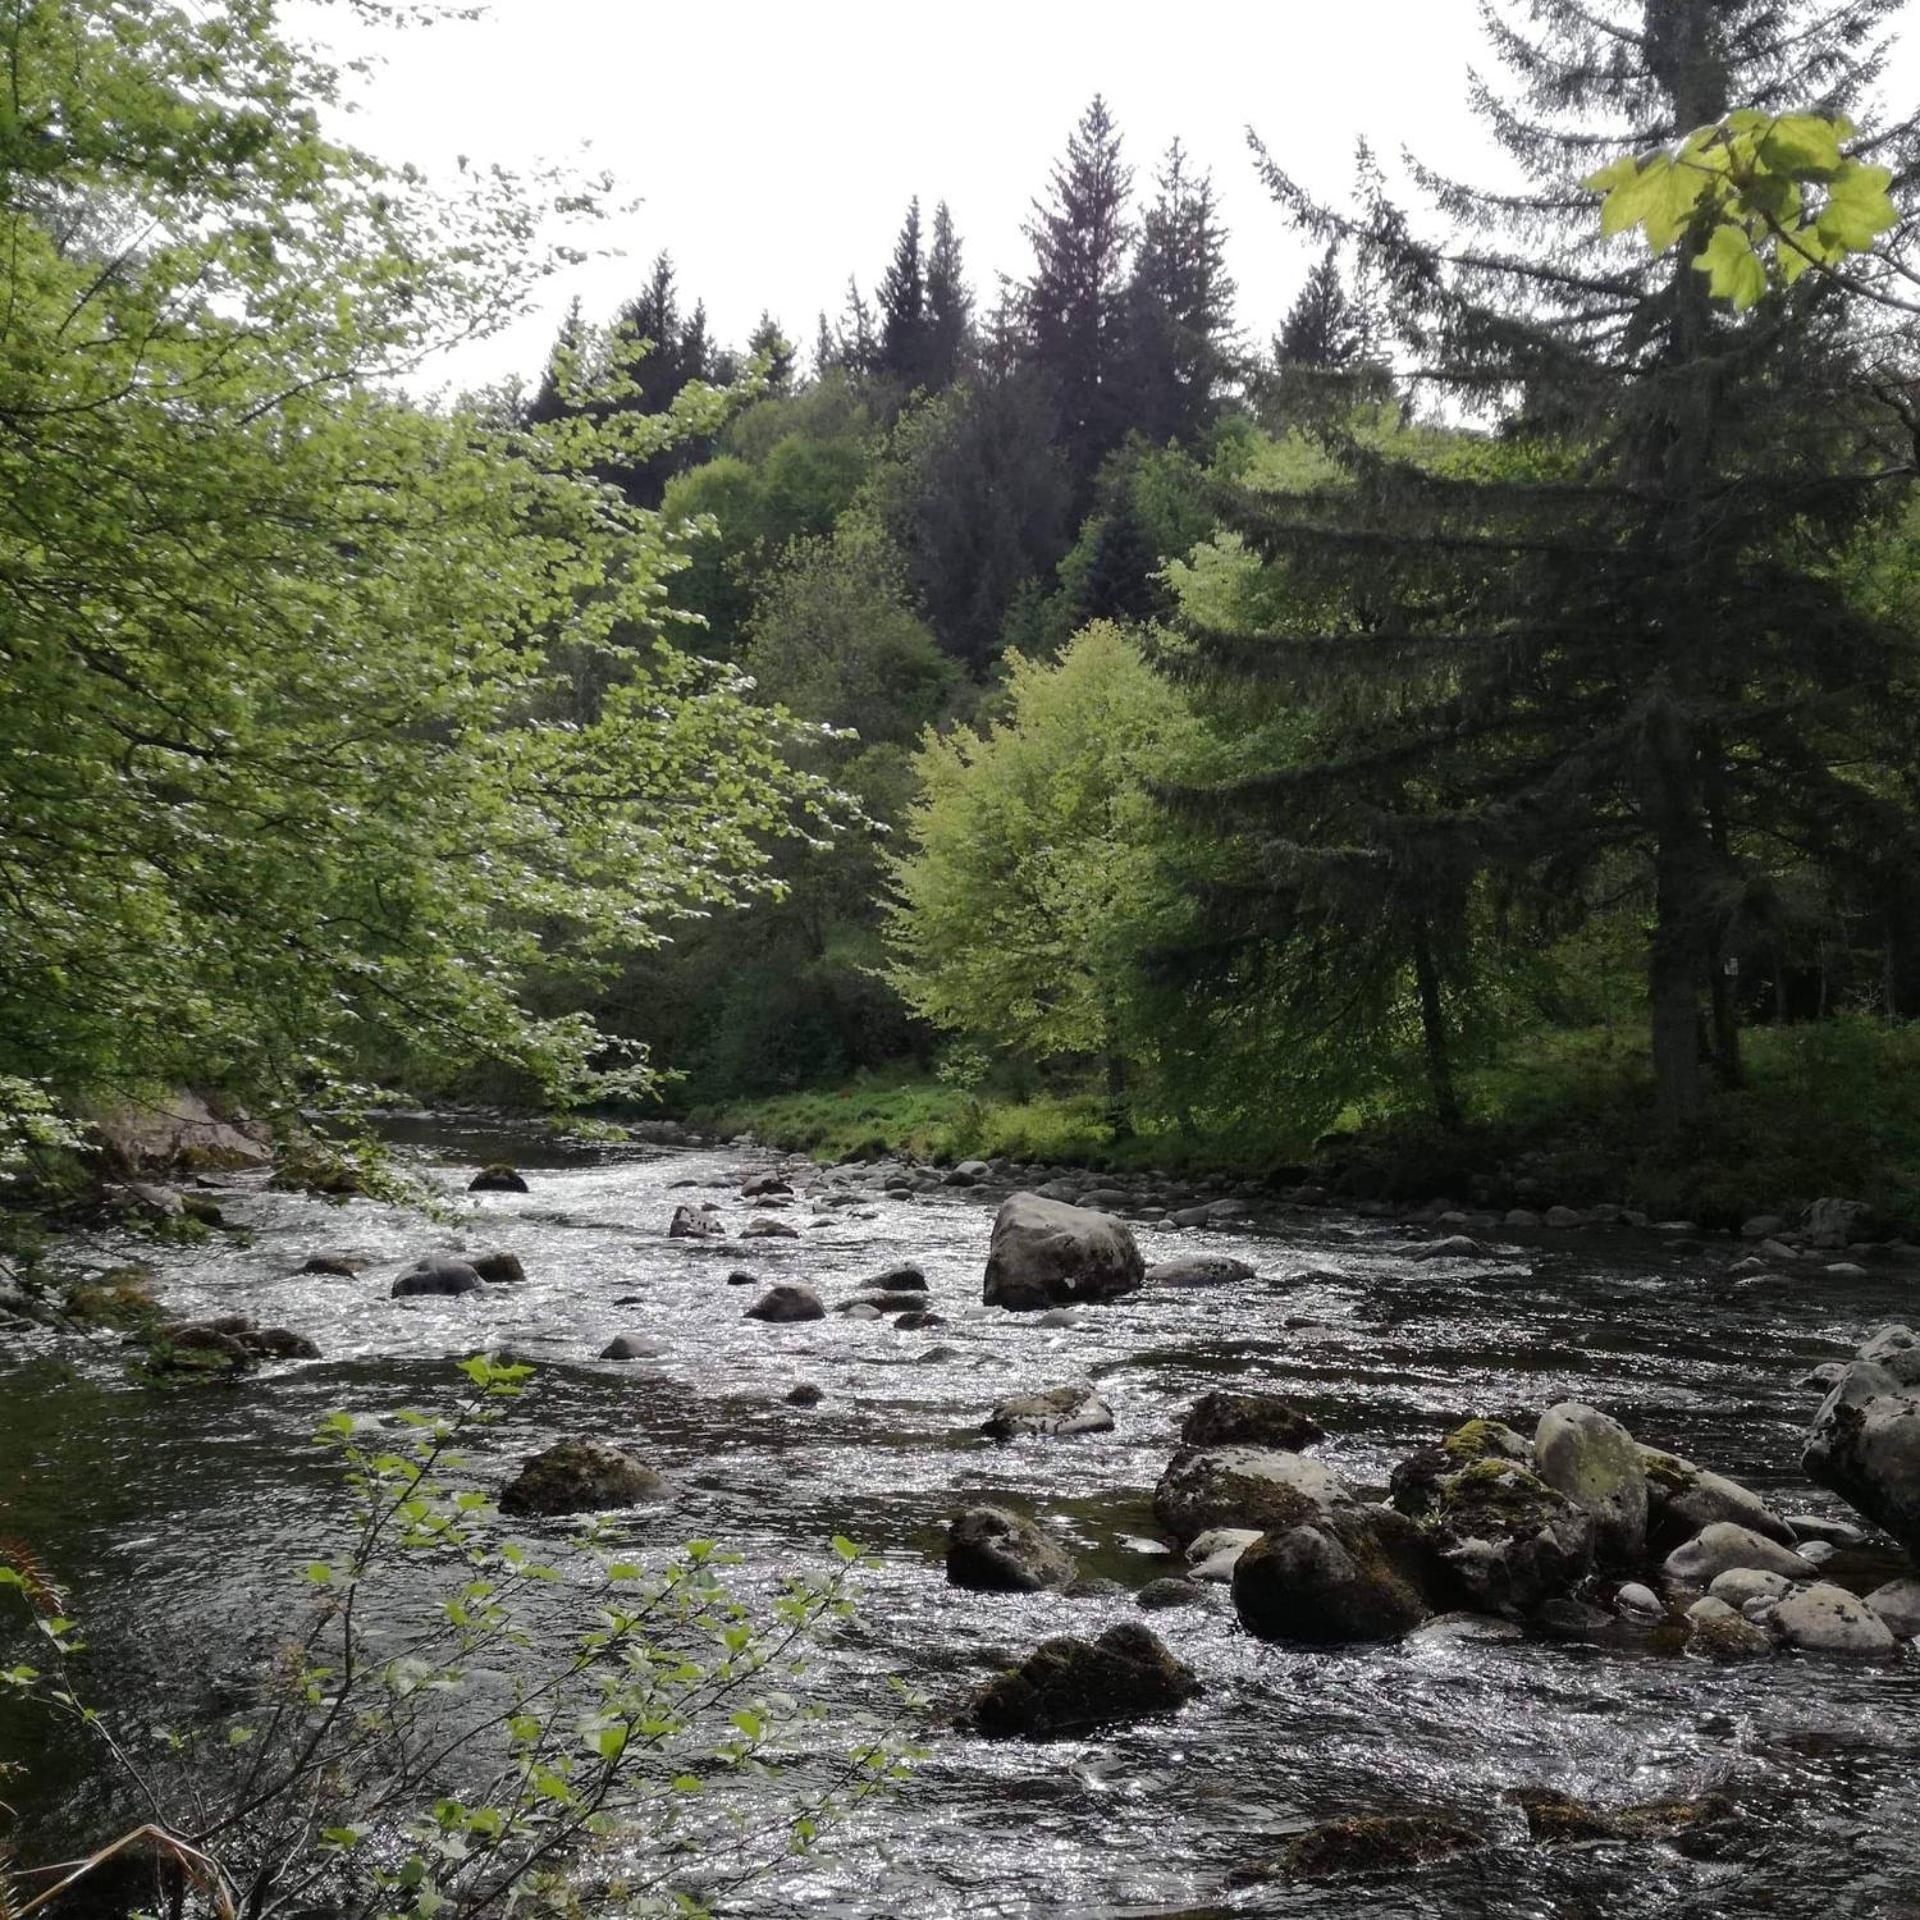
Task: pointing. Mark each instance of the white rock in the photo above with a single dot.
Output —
(1636, 1602)
(1743, 1585)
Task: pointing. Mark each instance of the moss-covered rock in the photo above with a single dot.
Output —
(1378, 1843)
(1485, 1440)
(1264, 1488)
(1248, 1420)
(1066, 1686)
(1510, 1539)
(1352, 1573)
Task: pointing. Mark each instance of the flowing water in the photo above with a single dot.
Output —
(180, 1519)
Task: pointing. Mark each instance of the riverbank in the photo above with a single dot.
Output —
(1561, 1118)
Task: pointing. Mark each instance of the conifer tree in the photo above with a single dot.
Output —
(767, 340)
(1614, 632)
(553, 398)
(1179, 309)
(949, 305)
(902, 298)
(1075, 304)
(1322, 330)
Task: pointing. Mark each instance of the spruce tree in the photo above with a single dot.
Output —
(1322, 330)
(1179, 309)
(1075, 304)
(1610, 630)
(902, 298)
(553, 399)
(949, 305)
(769, 342)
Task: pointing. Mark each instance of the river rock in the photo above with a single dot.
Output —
(1170, 1590)
(1214, 1554)
(1682, 1498)
(1374, 1843)
(1068, 1686)
(1898, 1604)
(991, 1550)
(1353, 1573)
(1591, 1458)
(1835, 1223)
(787, 1302)
(1486, 1440)
(1043, 1253)
(1638, 1603)
(341, 1265)
(1810, 1528)
(1256, 1487)
(1199, 1270)
(581, 1476)
(1717, 1632)
(766, 1186)
(1745, 1587)
(1222, 1419)
(696, 1223)
(900, 1279)
(764, 1229)
(1824, 1618)
(627, 1346)
(1865, 1441)
(1050, 1414)
(500, 1268)
(806, 1394)
(437, 1274)
(739, 1277)
(1511, 1540)
(497, 1179)
(1722, 1547)
(969, 1173)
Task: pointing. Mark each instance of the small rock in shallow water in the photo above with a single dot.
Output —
(437, 1274)
(1199, 1270)
(991, 1550)
(1170, 1591)
(1473, 1628)
(626, 1346)
(1220, 1419)
(787, 1303)
(1215, 1553)
(503, 1269)
(696, 1223)
(579, 1476)
(1635, 1602)
(342, 1265)
(1069, 1686)
(1057, 1411)
(806, 1394)
(738, 1278)
(1717, 1632)
(497, 1179)
(1741, 1587)
(1384, 1843)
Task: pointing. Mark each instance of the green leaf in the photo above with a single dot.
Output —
(1858, 208)
(1734, 271)
(1802, 144)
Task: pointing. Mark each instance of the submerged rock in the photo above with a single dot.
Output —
(806, 1394)
(581, 1476)
(1555, 1816)
(1353, 1573)
(1377, 1843)
(1199, 1270)
(1222, 1419)
(1068, 1686)
(1256, 1487)
(627, 1346)
(696, 1223)
(1592, 1459)
(1057, 1411)
(1044, 1253)
(991, 1550)
(502, 1269)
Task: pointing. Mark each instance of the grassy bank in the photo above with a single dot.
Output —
(1560, 1116)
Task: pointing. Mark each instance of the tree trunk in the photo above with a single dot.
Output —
(1433, 1030)
(1673, 987)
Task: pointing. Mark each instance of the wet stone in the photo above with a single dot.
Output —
(1069, 1686)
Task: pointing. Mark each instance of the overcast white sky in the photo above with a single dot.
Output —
(774, 148)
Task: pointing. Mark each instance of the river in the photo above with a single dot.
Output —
(179, 1520)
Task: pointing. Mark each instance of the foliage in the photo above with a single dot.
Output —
(324, 716)
(381, 1769)
(1760, 198)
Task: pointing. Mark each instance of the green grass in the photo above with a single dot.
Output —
(1560, 1116)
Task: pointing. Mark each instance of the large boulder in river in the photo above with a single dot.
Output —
(1592, 1459)
(991, 1550)
(1056, 1411)
(1044, 1253)
(581, 1476)
(1354, 1573)
(1682, 1498)
(1865, 1442)
(1258, 1487)
(696, 1223)
(1823, 1618)
(1510, 1540)
(1222, 1419)
(498, 1178)
(1069, 1686)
